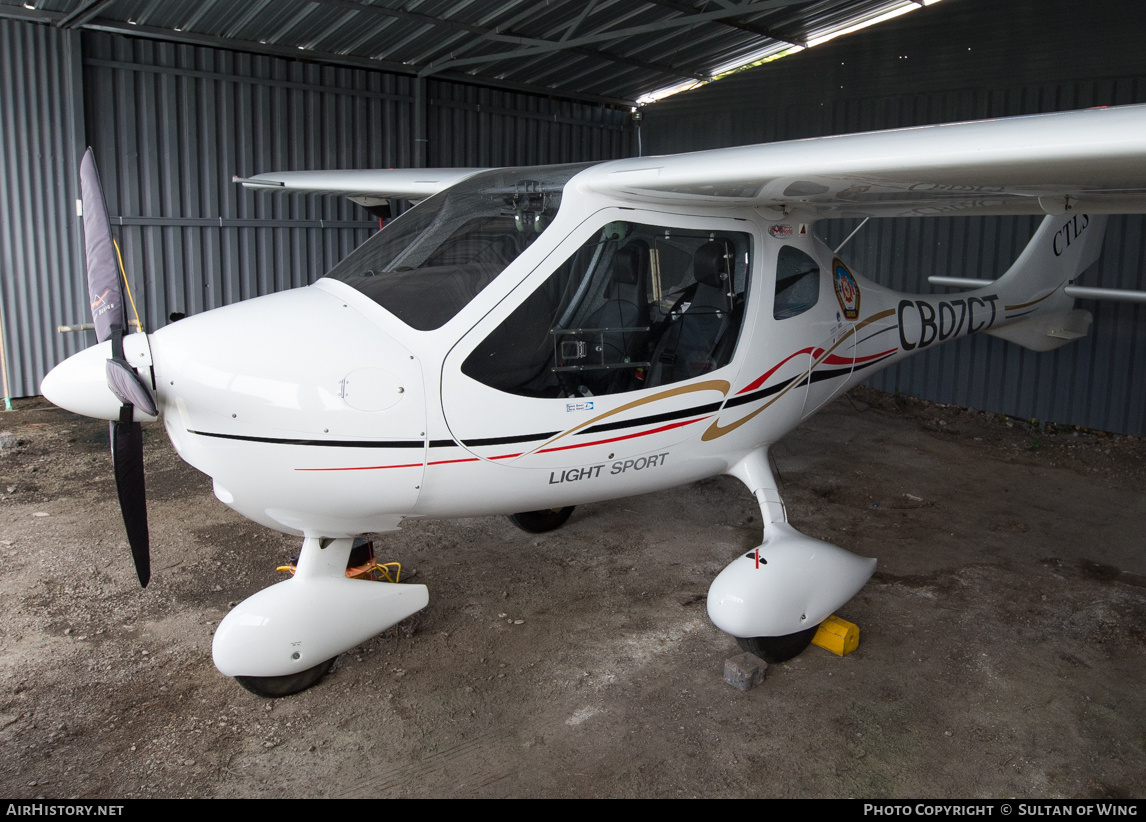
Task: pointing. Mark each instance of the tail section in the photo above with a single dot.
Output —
(1035, 312)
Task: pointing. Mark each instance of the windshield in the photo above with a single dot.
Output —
(431, 262)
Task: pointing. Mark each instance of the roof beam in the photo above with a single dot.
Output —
(545, 46)
(83, 13)
(750, 28)
(505, 35)
(29, 15)
(295, 53)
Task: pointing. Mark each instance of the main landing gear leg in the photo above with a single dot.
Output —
(774, 598)
(284, 638)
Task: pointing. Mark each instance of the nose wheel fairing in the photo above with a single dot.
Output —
(312, 617)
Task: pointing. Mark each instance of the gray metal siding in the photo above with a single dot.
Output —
(960, 60)
(171, 123)
(41, 281)
(473, 126)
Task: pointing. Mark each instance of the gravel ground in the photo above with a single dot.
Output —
(1002, 653)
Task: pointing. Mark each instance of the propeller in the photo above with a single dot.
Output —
(106, 290)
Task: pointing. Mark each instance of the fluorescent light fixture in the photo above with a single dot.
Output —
(660, 94)
(770, 52)
(887, 15)
(777, 50)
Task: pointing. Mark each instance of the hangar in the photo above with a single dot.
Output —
(1003, 647)
(177, 97)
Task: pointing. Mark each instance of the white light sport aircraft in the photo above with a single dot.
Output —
(528, 339)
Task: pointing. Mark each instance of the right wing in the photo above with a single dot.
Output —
(1083, 161)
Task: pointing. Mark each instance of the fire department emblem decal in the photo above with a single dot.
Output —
(847, 290)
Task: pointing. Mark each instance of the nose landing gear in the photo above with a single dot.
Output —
(284, 639)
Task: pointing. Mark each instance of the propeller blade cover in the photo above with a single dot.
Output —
(105, 288)
(129, 387)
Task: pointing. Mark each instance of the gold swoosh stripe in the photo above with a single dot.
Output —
(716, 430)
(723, 386)
(1032, 302)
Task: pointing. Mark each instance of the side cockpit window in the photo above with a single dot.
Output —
(797, 283)
(636, 306)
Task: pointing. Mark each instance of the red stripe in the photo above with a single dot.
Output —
(834, 359)
(511, 456)
(363, 467)
(759, 381)
(626, 436)
(410, 465)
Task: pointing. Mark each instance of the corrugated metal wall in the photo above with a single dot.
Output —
(172, 123)
(960, 60)
(40, 129)
(472, 126)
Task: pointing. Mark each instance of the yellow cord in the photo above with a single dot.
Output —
(130, 299)
(382, 566)
(378, 569)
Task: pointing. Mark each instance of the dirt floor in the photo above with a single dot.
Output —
(1002, 653)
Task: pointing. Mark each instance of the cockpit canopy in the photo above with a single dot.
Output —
(432, 261)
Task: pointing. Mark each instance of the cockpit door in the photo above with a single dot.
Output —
(622, 343)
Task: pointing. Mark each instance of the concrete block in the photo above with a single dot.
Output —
(745, 671)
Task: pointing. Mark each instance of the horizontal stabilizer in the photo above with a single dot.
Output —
(1047, 330)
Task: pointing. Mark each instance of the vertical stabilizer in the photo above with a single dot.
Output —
(1037, 313)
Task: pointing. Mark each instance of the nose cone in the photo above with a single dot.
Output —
(79, 383)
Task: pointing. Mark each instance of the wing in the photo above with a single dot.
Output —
(368, 187)
(1091, 161)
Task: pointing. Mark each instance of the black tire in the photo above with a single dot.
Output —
(276, 686)
(538, 522)
(774, 649)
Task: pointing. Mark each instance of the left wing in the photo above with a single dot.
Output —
(367, 187)
(1089, 161)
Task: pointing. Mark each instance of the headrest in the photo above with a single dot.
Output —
(712, 263)
(631, 262)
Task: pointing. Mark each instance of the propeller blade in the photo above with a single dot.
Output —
(104, 285)
(127, 457)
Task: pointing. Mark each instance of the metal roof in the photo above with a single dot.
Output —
(606, 51)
